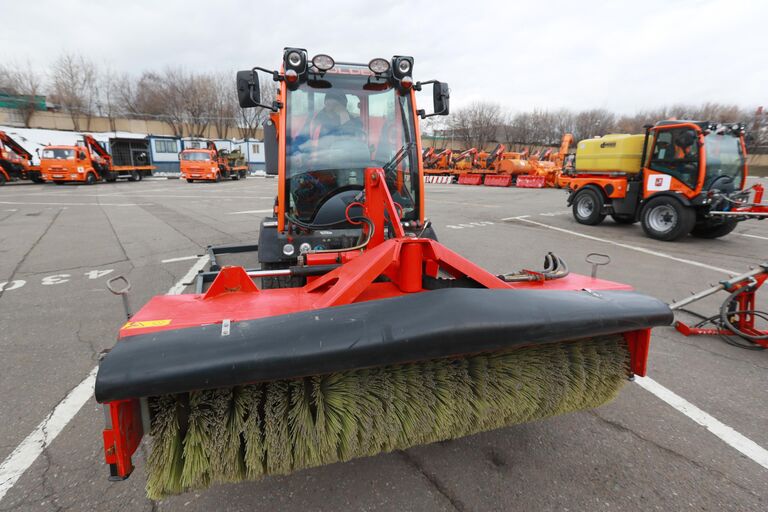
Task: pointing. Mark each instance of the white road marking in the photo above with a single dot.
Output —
(77, 204)
(250, 211)
(30, 449)
(182, 258)
(14, 285)
(516, 218)
(17, 463)
(56, 279)
(95, 274)
(189, 277)
(754, 236)
(524, 218)
(744, 445)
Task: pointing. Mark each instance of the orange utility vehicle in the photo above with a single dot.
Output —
(16, 162)
(87, 162)
(439, 163)
(680, 177)
(210, 164)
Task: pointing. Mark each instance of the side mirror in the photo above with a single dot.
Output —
(81, 156)
(441, 98)
(248, 93)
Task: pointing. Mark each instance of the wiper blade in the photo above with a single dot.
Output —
(399, 156)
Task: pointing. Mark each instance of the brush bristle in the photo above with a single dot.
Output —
(278, 427)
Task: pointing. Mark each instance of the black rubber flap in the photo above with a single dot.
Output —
(413, 327)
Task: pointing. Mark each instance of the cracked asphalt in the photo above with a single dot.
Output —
(59, 245)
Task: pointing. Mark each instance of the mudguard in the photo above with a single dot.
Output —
(419, 326)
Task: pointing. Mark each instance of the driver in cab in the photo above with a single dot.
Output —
(334, 119)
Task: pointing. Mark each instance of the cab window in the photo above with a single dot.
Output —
(676, 152)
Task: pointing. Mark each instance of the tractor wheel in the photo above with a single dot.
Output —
(666, 218)
(268, 283)
(587, 207)
(244, 175)
(2, 179)
(709, 229)
(134, 176)
(218, 177)
(139, 176)
(90, 178)
(235, 176)
(38, 179)
(621, 218)
(59, 182)
(190, 180)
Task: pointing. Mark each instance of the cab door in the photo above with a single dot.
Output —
(675, 162)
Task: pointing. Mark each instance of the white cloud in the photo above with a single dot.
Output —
(619, 55)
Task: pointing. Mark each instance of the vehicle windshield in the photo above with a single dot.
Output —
(198, 156)
(339, 124)
(724, 158)
(59, 154)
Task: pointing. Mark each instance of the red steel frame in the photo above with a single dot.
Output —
(403, 260)
(745, 320)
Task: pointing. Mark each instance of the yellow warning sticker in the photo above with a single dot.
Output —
(146, 323)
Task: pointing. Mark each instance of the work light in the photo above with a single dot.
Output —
(323, 62)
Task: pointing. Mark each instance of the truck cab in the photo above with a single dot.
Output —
(210, 164)
(16, 162)
(681, 177)
(329, 122)
(199, 164)
(61, 164)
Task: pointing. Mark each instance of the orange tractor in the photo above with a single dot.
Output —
(16, 162)
(211, 164)
(87, 163)
(680, 177)
(365, 335)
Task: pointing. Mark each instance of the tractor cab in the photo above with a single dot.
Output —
(330, 122)
(698, 157)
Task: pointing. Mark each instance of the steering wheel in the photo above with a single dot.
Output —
(333, 193)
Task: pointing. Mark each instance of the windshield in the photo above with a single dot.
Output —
(198, 156)
(724, 158)
(337, 126)
(59, 154)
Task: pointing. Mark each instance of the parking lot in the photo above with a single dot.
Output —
(60, 244)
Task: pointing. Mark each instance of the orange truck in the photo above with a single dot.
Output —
(87, 163)
(211, 164)
(680, 178)
(16, 162)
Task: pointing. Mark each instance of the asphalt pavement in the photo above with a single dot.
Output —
(60, 244)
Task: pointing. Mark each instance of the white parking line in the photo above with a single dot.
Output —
(181, 258)
(744, 445)
(41, 438)
(523, 218)
(250, 211)
(76, 204)
(753, 236)
(30, 449)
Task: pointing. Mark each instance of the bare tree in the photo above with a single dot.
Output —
(477, 125)
(26, 83)
(75, 87)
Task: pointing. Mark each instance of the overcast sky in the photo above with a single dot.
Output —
(619, 55)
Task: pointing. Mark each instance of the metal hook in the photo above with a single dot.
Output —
(122, 292)
(597, 259)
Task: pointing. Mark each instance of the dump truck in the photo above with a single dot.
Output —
(679, 178)
(212, 164)
(16, 162)
(371, 336)
(87, 162)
